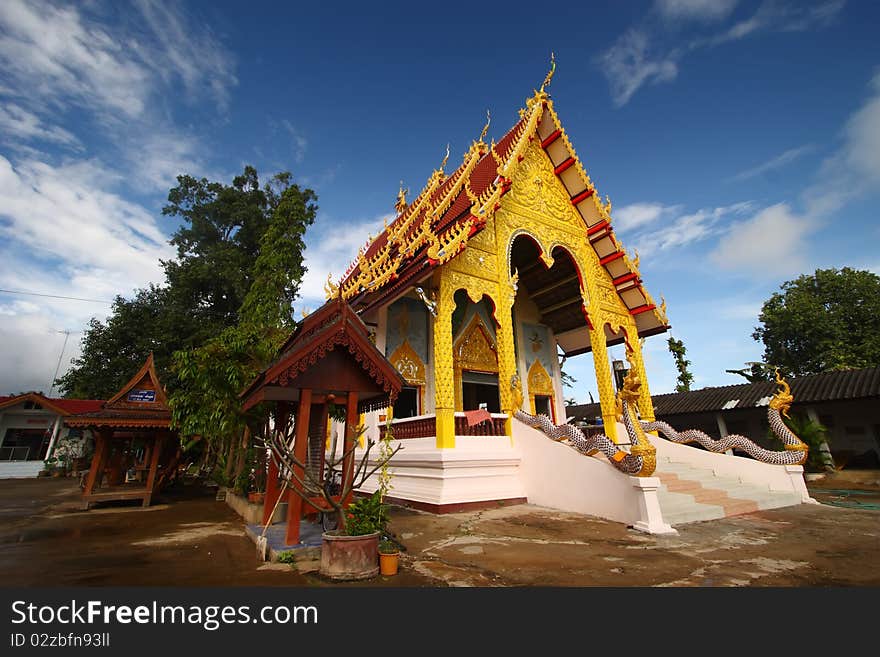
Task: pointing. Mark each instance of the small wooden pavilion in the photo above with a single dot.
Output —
(133, 441)
(329, 358)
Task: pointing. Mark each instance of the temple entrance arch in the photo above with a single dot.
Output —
(475, 354)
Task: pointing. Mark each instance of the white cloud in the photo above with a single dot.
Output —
(56, 59)
(774, 163)
(862, 147)
(778, 17)
(649, 54)
(19, 123)
(854, 170)
(61, 214)
(772, 242)
(637, 215)
(330, 248)
(63, 234)
(53, 53)
(299, 142)
(187, 52)
(156, 157)
(629, 64)
(688, 229)
(701, 10)
(60, 54)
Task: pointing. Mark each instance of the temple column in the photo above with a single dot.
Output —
(646, 404)
(506, 351)
(444, 384)
(603, 380)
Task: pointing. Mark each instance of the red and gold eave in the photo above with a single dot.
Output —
(437, 225)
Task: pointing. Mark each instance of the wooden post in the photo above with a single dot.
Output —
(273, 490)
(300, 445)
(102, 447)
(351, 421)
(158, 444)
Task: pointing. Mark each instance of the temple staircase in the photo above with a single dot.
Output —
(690, 493)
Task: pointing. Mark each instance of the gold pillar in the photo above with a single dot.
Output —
(506, 351)
(444, 384)
(646, 405)
(603, 379)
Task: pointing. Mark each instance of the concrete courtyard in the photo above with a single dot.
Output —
(189, 539)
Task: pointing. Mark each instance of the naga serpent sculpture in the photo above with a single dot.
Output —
(795, 450)
(640, 460)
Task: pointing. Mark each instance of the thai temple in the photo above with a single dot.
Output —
(483, 280)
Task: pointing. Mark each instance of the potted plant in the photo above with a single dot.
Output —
(389, 555)
(351, 551)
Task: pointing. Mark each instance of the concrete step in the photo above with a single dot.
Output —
(689, 493)
(20, 469)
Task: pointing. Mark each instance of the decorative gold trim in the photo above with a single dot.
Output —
(473, 351)
(540, 383)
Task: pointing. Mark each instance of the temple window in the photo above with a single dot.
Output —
(407, 404)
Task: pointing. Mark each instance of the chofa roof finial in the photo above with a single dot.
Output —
(486, 127)
(549, 77)
(400, 205)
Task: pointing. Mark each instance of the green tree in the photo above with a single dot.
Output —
(678, 351)
(113, 350)
(218, 244)
(210, 376)
(822, 322)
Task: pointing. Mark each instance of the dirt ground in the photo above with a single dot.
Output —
(190, 539)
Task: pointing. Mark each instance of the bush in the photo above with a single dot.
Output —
(366, 516)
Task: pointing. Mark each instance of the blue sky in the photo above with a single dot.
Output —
(738, 141)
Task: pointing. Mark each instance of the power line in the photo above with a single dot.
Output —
(57, 296)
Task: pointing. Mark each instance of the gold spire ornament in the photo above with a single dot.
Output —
(400, 205)
(445, 158)
(549, 77)
(330, 289)
(486, 127)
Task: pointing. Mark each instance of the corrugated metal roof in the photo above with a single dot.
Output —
(828, 386)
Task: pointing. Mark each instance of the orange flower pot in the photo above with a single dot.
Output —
(388, 563)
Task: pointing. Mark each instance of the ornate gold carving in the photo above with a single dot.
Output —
(408, 363)
(536, 187)
(473, 351)
(540, 383)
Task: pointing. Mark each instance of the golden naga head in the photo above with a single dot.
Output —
(631, 383)
(782, 401)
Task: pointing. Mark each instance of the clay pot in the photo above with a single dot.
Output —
(349, 557)
(256, 498)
